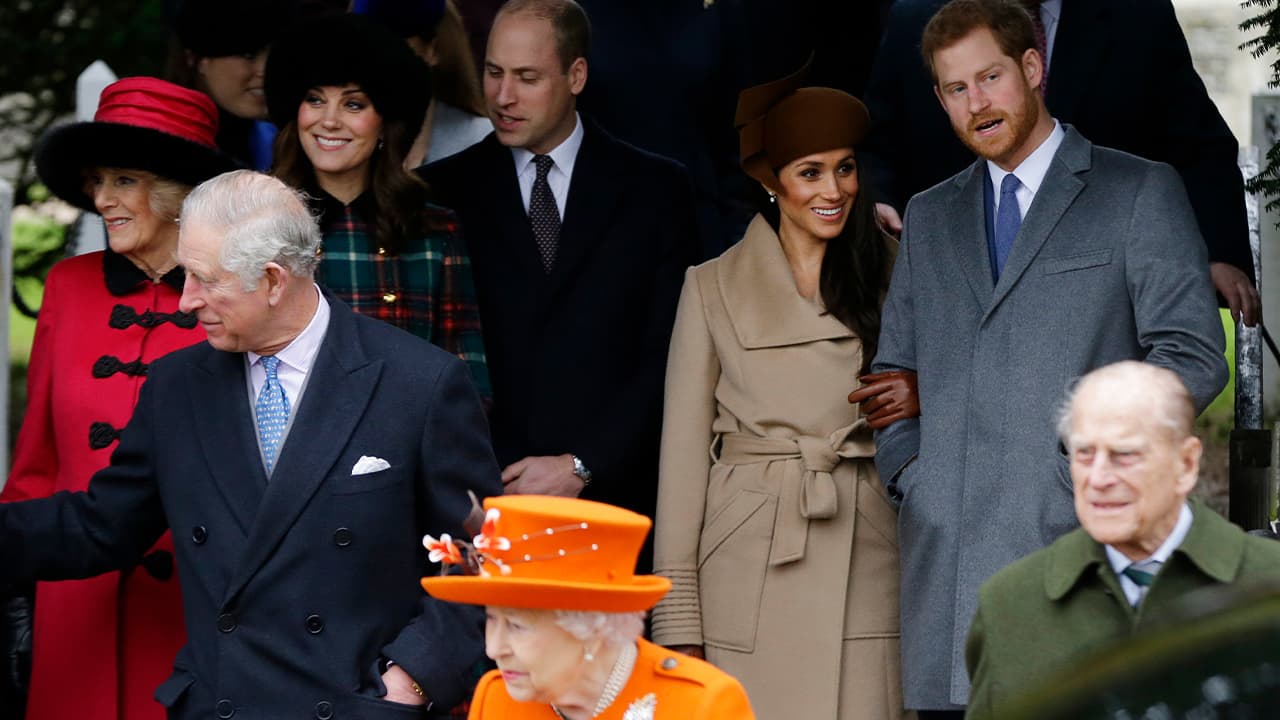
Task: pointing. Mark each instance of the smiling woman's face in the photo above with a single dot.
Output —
(539, 660)
(339, 129)
(816, 193)
(235, 83)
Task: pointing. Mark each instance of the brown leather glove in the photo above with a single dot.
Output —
(887, 397)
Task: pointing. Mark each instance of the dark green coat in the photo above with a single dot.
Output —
(1057, 605)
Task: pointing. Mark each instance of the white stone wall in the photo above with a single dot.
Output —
(1231, 75)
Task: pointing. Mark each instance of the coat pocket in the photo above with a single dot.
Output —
(368, 482)
(733, 555)
(1097, 258)
(173, 689)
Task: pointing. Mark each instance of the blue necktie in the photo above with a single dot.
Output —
(1008, 220)
(273, 413)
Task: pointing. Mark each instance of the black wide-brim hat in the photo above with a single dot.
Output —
(341, 49)
(142, 123)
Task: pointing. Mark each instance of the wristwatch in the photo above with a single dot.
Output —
(581, 470)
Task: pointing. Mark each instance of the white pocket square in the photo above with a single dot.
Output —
(367, 464)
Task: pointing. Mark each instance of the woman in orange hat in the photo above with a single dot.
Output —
(104, 318)
(772, 524)
(564, 614)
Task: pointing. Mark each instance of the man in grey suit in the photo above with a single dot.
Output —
(1046, 258)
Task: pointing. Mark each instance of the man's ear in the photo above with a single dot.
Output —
(1189, 453)
(1032, 67)
(577, 75)
(277, 278)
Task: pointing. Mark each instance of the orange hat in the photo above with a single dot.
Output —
(550, 553)
(780, 121)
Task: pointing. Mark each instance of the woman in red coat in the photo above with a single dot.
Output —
(101, 646)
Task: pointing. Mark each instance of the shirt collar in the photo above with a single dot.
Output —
(1119, 561)
(123, 277)
(1052, 8)
(564, 154)
(330, 207)
(301, 353)
(1032, 170)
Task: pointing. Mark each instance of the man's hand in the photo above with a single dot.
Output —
(888, 219)
(1242, 297)
(400, 687)
(887, 397)
(542, 475)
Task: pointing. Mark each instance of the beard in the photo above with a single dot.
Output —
(1019, 124)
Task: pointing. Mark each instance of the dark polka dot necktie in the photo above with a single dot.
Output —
(544, 216)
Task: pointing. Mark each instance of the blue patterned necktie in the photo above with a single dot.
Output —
(273, 413)
(544, 216)
(1008, 220)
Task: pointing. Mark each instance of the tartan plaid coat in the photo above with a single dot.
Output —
(425, 289)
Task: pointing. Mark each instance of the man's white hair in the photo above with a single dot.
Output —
(263, 220)
(1173, 409)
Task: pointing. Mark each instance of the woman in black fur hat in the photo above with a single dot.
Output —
(349, 98)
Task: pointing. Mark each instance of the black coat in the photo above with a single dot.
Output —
(577, 357)
(1120, 72)
(291, 588)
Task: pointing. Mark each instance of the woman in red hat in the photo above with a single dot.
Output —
(101, 646)
(349, 97)
(564, 611)
(772, 524)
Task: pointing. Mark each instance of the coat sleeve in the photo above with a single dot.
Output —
(898, 444)
(441, 646)
(1177, 320)
(727, 700)
(82, 534)
(979, 706)
(35, 455)
(1198, 143)
(684, 467)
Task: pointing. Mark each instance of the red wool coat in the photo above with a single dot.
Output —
(102, 645)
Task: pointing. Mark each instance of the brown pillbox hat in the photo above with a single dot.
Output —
(780, 121)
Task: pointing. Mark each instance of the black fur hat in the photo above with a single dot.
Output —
(342, 49)
(217, 28)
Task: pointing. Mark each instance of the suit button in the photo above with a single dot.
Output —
(225, 709)
(199, 534)
(324, 710)
(226, 623)
(315, 624)
(342, 537)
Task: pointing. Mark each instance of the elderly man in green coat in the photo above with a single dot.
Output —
(1142, 545)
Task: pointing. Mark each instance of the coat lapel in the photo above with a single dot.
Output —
(593, 194)
(1079, 47)
(968, 218)
(341, 383)
(761, 299)
(1059, 189)
(224, 424)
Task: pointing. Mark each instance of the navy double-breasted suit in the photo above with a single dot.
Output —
(293, 587)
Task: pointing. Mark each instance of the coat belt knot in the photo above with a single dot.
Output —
(807, 490)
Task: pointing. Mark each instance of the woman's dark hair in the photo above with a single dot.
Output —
(399, 196)
(855, 270)
(454, 78)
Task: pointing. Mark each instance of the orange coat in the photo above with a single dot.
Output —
(682, 686)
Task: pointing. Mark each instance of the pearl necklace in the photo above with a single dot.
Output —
(618, 677)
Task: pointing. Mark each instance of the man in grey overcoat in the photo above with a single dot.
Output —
(1046, 258)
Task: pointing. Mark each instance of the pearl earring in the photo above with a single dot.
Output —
(773, 197)
(586, 655)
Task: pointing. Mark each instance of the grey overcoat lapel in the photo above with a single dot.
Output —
(968, 223)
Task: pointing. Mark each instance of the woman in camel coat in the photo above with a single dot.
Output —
(772, 524)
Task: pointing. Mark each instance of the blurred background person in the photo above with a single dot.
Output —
(349, 97)
(564, 616)
(221, 50)
(456, 117)
(106, 316)
(772, 524)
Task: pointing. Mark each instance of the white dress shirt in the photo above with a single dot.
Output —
(1030, 173)
(1119, 562)
(564, 155)
(295, 361)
